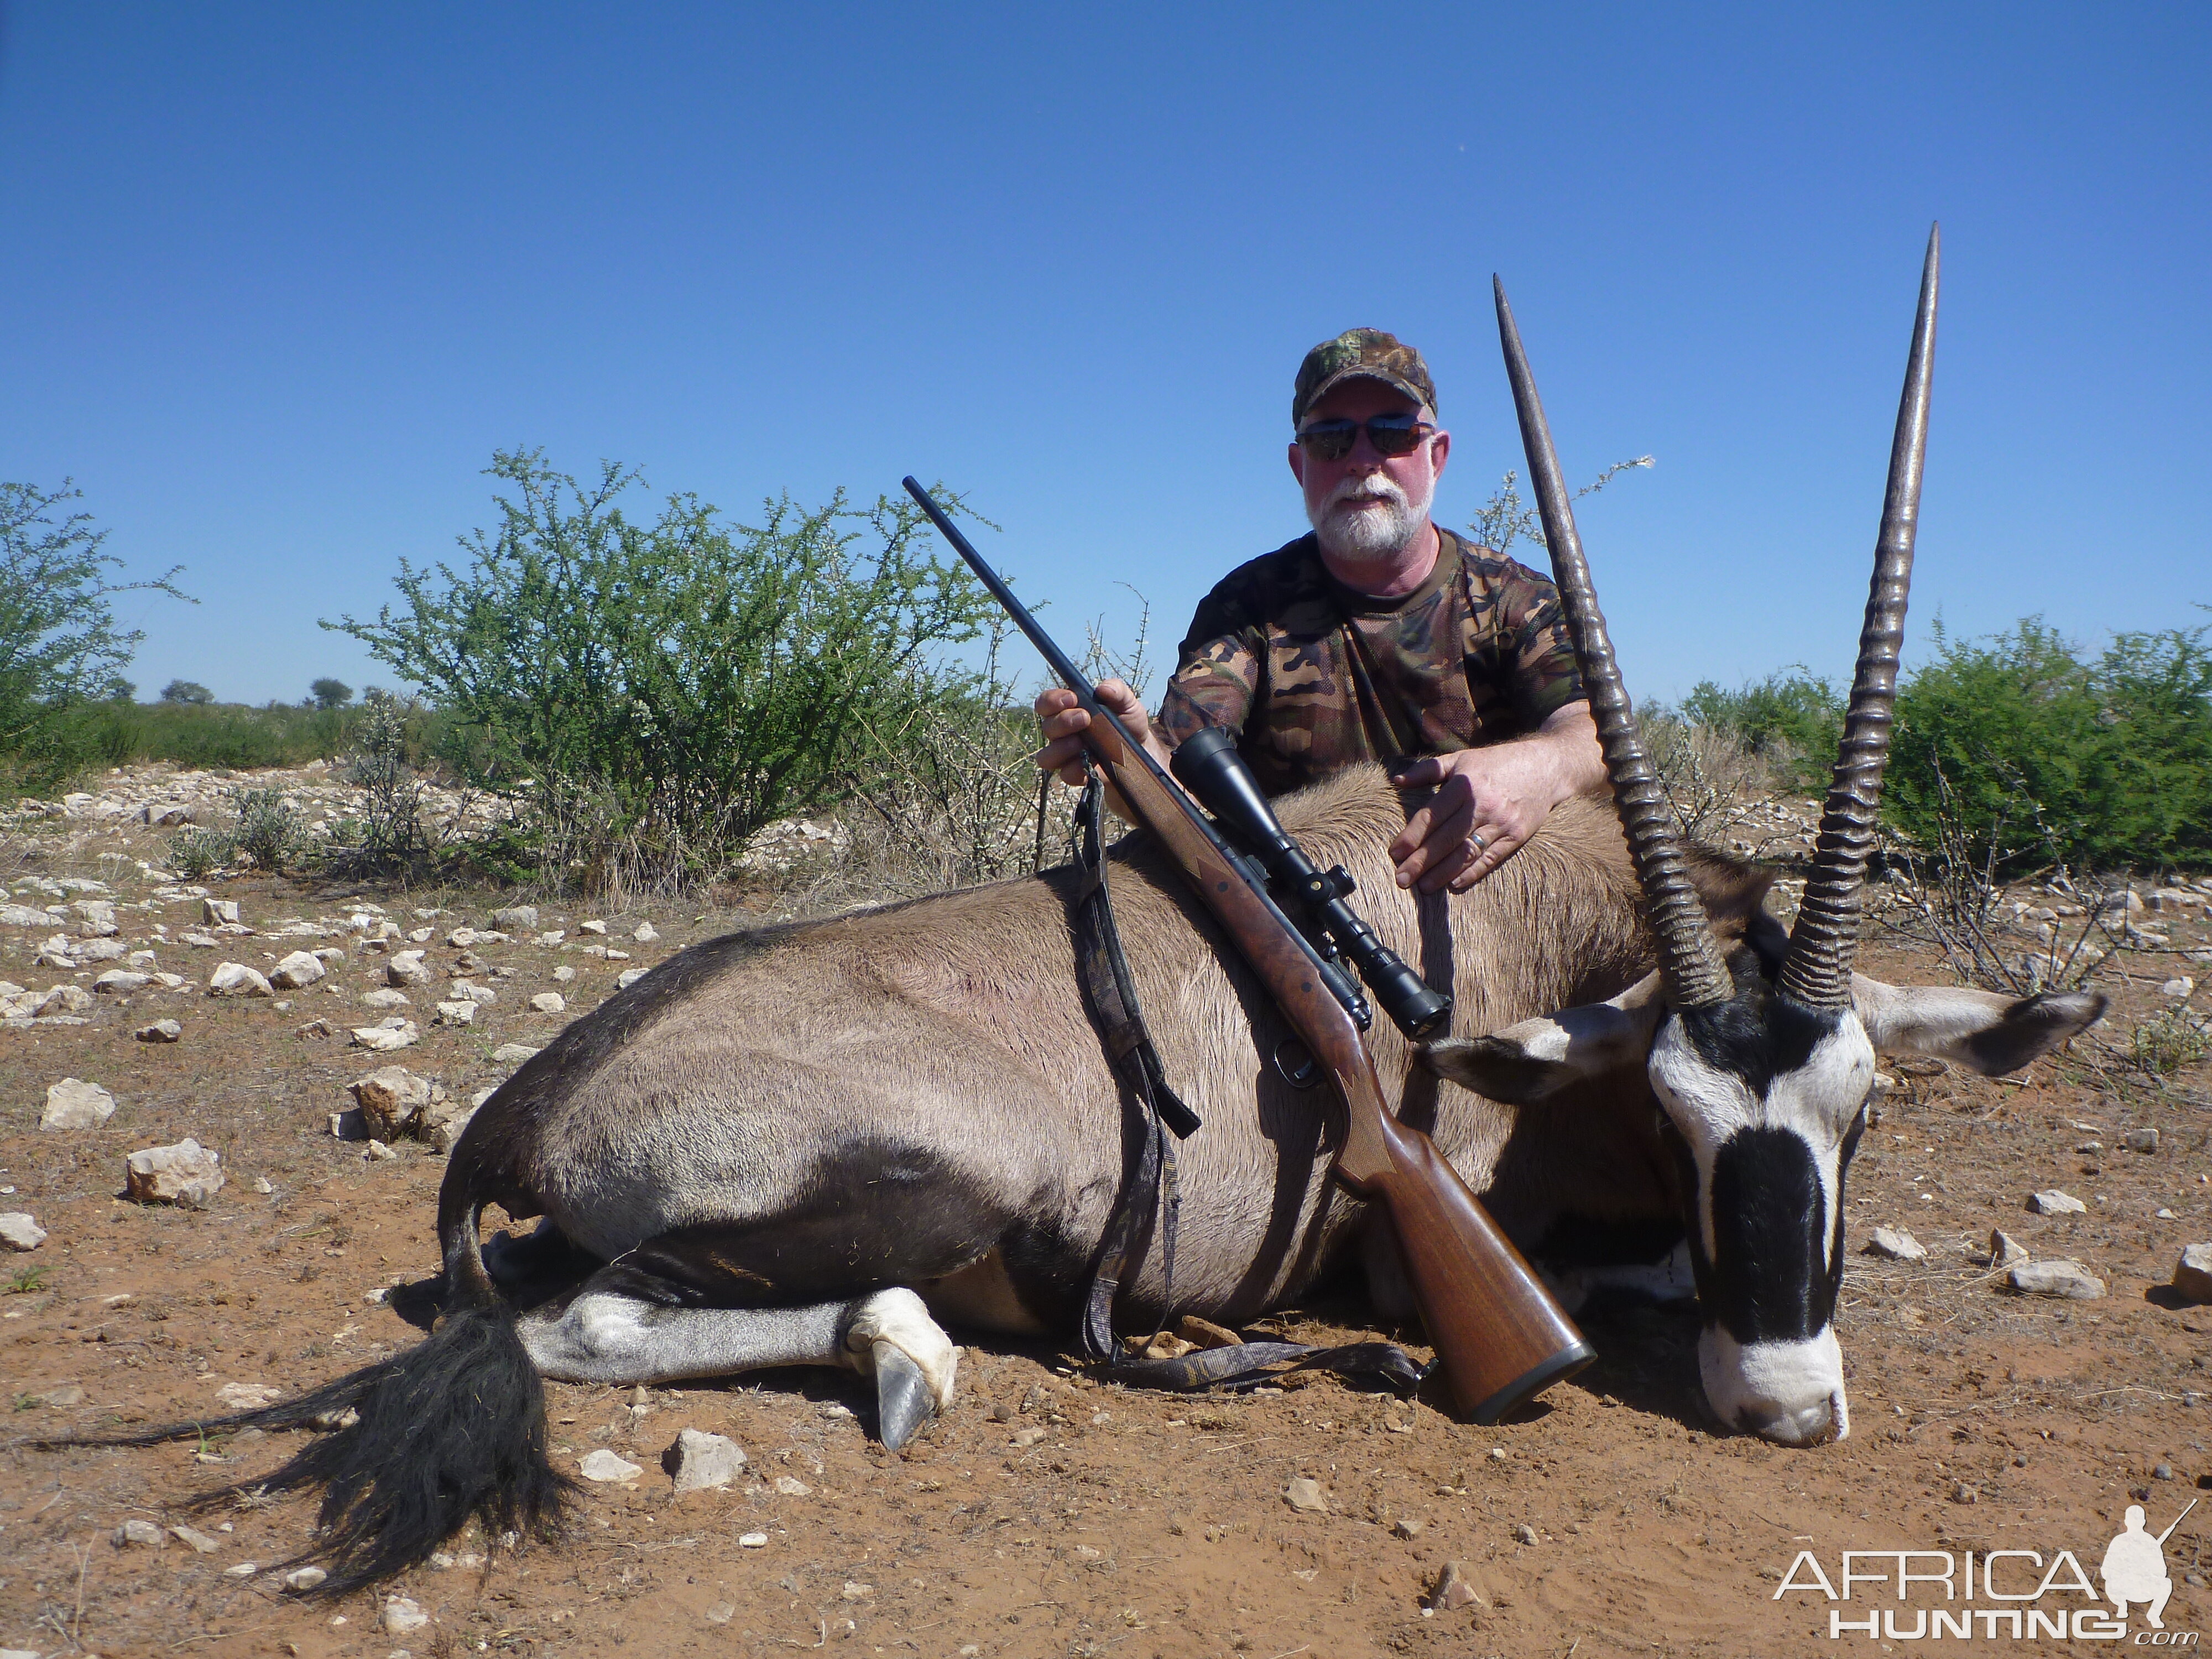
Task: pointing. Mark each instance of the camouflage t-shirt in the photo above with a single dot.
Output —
(1316, 676)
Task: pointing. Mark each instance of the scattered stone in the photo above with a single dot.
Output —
(218, 913)
(1406, 1526)
(461, 938)
(1305, 1496)
(402, 1617)
(721, 1613)
(482, 996)
(627, 977)
(379, 1152)
(197, 1541)
(441, 1124)
(407, 968)
(1961, 1493)
(511, 1054)
(316, 1028)
(2161, 1472)
(2005, 1250)
(594, 925)
(161, 1031)
(697, 1461)
(261, 1184)
(297, 971)
(603, 1465)
(2060, 1278)
(2178, 988)
(563, 973)
(348, 1125)
(187, 1174)
(549, 1002)
(855, 1591)
(1029, 1436)
(134, 1531)
(68, 1395)
(644, 933)
(243, 1570)
(2140, 1140)
(752, 1540)
(236, 979)
(19, 1232)
(517, 919)
(120, 982)
(2054, 1202)
(391, 1099)
(22, 915)
(74, 1104)
(383, 1039)
(2192, 1274)
(1452, 1590)
(384, 999)
(301, 1580)
(457, 1013)
(1524, 1534)
(1895, 1244)
(792, 1486)
(63, 999)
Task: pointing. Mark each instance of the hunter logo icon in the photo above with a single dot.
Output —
(2133, 1568)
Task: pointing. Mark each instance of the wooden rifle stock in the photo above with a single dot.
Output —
(1502, 1336)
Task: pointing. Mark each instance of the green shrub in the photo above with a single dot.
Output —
(2048, 755)
(648, 694)
(269, 832)
(1790, 720)
(196, 853)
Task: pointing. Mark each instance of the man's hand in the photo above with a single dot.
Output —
(1063, 724)
(1489, 801)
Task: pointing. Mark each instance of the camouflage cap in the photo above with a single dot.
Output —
(1361, 354)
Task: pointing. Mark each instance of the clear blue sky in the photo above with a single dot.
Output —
(277, 280)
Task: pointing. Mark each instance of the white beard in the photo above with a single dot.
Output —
(1375, 530)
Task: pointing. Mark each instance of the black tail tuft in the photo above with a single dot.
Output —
(451, 1429)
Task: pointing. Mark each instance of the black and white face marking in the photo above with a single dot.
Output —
(1765, 1102)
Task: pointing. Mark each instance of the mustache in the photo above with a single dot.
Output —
(1376, 486)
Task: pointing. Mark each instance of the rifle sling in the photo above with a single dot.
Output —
(1150, 1193)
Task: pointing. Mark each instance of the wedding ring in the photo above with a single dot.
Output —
(1474, 839)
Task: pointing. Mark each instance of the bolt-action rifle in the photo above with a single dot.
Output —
(1502, 1338)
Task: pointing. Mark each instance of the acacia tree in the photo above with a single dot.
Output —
(59, 643)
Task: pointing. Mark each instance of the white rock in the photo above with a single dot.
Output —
(391, 1098)
(441, 1125)
(380, 1153)
(792, 1486)
(348, 1125)
(644, 933)
(482, 995)
(134, 1531)
(697, 1461)
(402, 1617)
(516, 919)
(304, 1578)
(73, 1104)
(2068, 1280)
(2054, 1202)
(99, 950)
(2140, 1140)
(21, 916)
(461, 938)
(19, 1232)
(1306, 1496)
(563, 974)
(216, 912)
(383, 997)
(594, 925)
(196, 1540)
(511, 1054)
(2005, 1250)
(297, 971)
(2192, 1274)
(236, 979)
(187, 1175)
(627, 977)
(752, 1540)
(1895, 1244)
(2180, 986)
(549, 1002)
(120, 982)
(248, 1397)
(383, 1039)
(457, 1013)
(407, 968)
(161, 1031)
(63, 999)
(603, 1465)
(243, 1570)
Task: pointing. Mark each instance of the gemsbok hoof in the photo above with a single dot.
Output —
(903, 1401)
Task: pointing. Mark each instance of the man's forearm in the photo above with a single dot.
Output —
(1567, 741)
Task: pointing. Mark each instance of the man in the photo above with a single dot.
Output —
(1379, 637)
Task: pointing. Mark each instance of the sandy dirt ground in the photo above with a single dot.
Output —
(1046, 1515)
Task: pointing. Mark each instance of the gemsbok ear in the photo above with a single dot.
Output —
(1529, 1062)
(1982, 1030)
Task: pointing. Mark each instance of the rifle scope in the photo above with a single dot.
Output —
(1207, 764)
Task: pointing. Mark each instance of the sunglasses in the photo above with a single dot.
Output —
(1391, 434)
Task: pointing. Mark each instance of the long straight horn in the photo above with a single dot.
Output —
(1689, 963)
(1817, 970)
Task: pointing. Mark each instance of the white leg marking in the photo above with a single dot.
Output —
(606, 1337)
